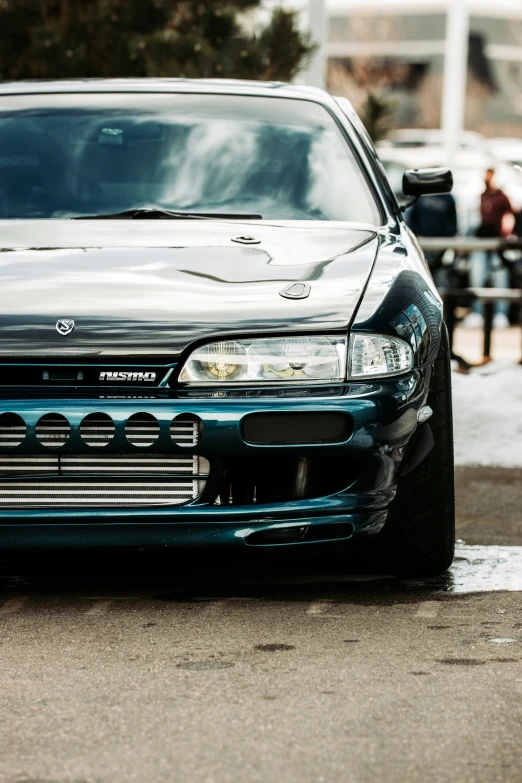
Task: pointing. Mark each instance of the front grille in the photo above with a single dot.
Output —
(80, 372)
(109, 480)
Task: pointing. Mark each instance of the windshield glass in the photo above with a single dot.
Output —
(68, 155)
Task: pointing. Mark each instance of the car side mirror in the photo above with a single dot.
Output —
(427, 182)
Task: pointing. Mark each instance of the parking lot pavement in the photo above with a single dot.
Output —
(489, 502)
(156, 668)
(146, 668)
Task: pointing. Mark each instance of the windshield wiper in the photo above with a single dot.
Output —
(155, 213)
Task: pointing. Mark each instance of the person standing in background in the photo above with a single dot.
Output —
(486, 268)
(434, 216)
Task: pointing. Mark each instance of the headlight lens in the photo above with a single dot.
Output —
(378, 356)
(271, 359)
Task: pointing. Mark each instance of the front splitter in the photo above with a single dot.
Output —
(132, 535)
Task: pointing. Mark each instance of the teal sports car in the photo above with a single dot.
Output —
(215, 327)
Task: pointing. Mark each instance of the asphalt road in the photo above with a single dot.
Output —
(155, 669)
(489, 505)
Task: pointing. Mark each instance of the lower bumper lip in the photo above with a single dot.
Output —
(304, 532)
(126, 535)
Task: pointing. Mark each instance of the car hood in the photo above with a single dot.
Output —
(152, 287)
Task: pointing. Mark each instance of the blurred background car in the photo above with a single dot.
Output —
(507, 150)
(412, 148)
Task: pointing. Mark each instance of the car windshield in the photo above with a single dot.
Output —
(80, 154)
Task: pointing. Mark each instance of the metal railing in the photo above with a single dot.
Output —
(470, 244)
(465, 297)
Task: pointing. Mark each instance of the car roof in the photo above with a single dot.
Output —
(203, 86)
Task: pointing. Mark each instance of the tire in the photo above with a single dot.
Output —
(420, 530)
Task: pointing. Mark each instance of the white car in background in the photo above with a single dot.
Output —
(416, 138)
(413, 145)
(421, 148)
(507, 150)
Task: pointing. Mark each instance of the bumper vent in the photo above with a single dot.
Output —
(97, 429)
(186, 430)
(96, 481)
(12, 430)
(53, 429)
(142, 430)
(298, 428)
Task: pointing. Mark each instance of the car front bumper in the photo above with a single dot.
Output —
(383, 416)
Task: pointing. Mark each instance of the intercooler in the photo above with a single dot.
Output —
(92, 478)
(78, 480)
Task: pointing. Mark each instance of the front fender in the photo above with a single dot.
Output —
(401, 299)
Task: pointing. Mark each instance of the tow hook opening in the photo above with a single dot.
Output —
(300, 534)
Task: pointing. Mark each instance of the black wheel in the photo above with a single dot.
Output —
(420, 530)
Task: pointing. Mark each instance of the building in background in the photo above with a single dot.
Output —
(400, 48)
(450, 72)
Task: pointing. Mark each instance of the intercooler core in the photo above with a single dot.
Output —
(59, 476)
(95, 480)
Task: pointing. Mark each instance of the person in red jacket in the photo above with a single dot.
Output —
(495, 207)
(496, 220)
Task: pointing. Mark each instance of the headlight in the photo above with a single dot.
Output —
(377, 356)
(272, 359)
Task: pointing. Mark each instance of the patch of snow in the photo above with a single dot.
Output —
(502, 640)
(487, 410)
